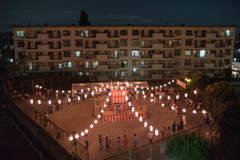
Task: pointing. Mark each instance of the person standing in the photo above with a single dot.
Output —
(174, 127)
(184, 119)
(118, 143)
(150, 136)
(181, 124)
(86, 141)
(107, 143)
(135, 140)
(100, 140)
(125, 140)
(168, 131)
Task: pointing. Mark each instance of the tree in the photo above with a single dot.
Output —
(201, 81)
(83, 21)
(217, 94)
(187, 147)
(228, 71)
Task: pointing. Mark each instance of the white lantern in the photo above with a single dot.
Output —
(173, 80)
(136, 86)
(107, 99)
(203, 111)
(56, 91)
(62, 91)
(102, 111)
(39, 101)
(71, 138)
(147, 88)
(185, 95)
(59, 101)
(82, 133)
(69, 91)
(151, 128)
(107, 86)
(168, 97)
(75, 91)
(86, 131)
(172, 108)
(160, 96)
(37, 86)
(195, 91)
(102, 85)
(194, 111)
(40, 87)
(123, 92)
(141, 87)
(76, 136)
(79, 98)
(177, 96)
(81, 90)
(151, 94)
(104, 105)
(169, 82)
(156, 132)
(143, 92)
(69, 100)
(100, 90)
(95, 121)
(91, 125)
(92, 93)
(49, 102)
(163, 105)
(144, 96)
(137, 92)
(164, 85)
(151, 100)
(109, 93)
(126, 98)
(135, 89)
(156, 87)
(85, 95)
(145, 124)
(161, 86)
(184, 110)
(99, 116)
(129, 104)
(31, 101)
(121, 87)
(151, 88)
(140, 118)
(132, 109)
(136, 114)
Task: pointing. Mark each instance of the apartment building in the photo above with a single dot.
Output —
(125, 52)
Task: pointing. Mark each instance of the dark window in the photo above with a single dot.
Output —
(135, 32)
(188, 42)
(123, 33)
(188, 32)
(20, 44)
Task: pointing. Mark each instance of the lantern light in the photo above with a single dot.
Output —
(76, 136)
(203, 111)
(145, 124)
(91, 125)
(143, 92)
(92, 93)
(186, 95)
(39, 101)
(99, 116)
(69, 100)
(136, 114)
(71, 138)
(129, 104)
(126, 98)
(151, 94)
(104, 105)
(135, 89)
(172, 108)
(168, 97)
(109, 93)
(173, 80)
(147, 88)
(132, 109)
(160, 96)
(156, 132)
(151, 128)
(31, 101)
(81, 90)
(144, 96)
(161, 86)
(107, 99)
(164, 85)
(100, 90)
(140, 118)
(59, 101)
(141, 87)
(151, 100)
(169, 82)
(95, 121)
(137, 92)
(62, 91)
(107, 86)
(69, 91)
(85, 95)
(56, 91)
(163, 105)
(194, 111)
(121, 87)
(82, 133)
(102, 111)
(195, 91)
(37, 86)
(75, 91)
(49, 102)
(177, 96)
(156, 87)
(79, 98)
(123, 92)
(40, 87)
(86, 131)
(151, 88)
(184, 110)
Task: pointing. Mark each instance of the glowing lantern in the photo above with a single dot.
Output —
(79, 98)
(156, 87)
(102, 85)
(59, 101)
(177, 96)
(151, 94)
(203, 111)
(151, 128)
(85, 95)
(151, 100)
(69, 100)
(143, 92)
(132, 109)
(95, 121)
(86, 131)
(31, 101)
(121, 87)
(92, 93)
(69, 91)
(56, 91)
(126, 98)
(140, 118)
(123, 92)
(39, 101)
(40, 87)
(76, 136)
(160, 97)
(75, 91)
(129, 104)
(161, 86)
(169, 82)
(195, 91)
(49, 102)
(145, 124)
(88, 89)
(107, 86)
(135, 89)
(91, 126)
(185, 95)
(141, 87)
(102, 111)
(172, 108)
(147, 88)
(82, 133)
(163, 105)
(156, 132)
(100, 90)
(105, 105)
(194, 111)
(136, 114)
(81, 90)
(144, 96)
(168, 97)
(184, 110)
(62, 91)
(151, 88)
(37, 86)
(71, 138)
(109, 93)
(99, 116)
(107, 99)
(164, 85)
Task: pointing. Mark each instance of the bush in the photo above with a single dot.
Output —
(187, 147)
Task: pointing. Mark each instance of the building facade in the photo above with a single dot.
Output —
(125, 52)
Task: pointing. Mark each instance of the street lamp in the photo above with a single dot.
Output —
(134, 72)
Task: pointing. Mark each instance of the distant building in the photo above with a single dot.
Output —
(125, 52)
(6, 48)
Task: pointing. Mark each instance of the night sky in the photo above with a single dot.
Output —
(115, 12)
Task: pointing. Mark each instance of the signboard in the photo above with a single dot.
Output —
(180, 83)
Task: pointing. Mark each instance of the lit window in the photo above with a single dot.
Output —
(69, 64)
(30, 66)
(78, 53)
(116, 54)
(59, 65)
(87, 64)
(87, 73)
(187, 52)
(80, 73)
(86, 33)
(228, 32)
(20, 33)
(95, 64)
(135, 53)
(202, 53)
(122, 73)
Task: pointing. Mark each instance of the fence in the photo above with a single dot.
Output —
(157, 148)
(56, 133)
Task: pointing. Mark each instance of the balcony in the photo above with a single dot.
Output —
(156, 76)
(210, 56)
(157, 56)
(101, 57)
(44, 68)
(157, 66)
(209, 65)
(114, 67)
(199, 65)
(102, 67)
(101, 36)
(43, 47)
(211, 35)
(101, 46)
(210, 46)
(157, 46)
(43, 58)
(101, 78)
(42, 36)
(157, 35)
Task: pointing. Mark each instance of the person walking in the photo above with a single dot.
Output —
(181, 124)
(150, 136)
(135, 140)
(125, 140)
(174, 127)
(100, 141)
(184, 119)
(86, 141)
(107, 143)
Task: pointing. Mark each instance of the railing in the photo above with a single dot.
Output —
(155, 149)
(56, 133)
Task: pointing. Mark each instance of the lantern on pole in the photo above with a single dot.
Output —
(145, 124)
(31, 101)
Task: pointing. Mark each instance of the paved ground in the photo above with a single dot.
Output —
(79, 115)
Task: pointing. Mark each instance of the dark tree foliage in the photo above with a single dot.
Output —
(187, 147)
(228, 72)
(201, 81)
(83, 21)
